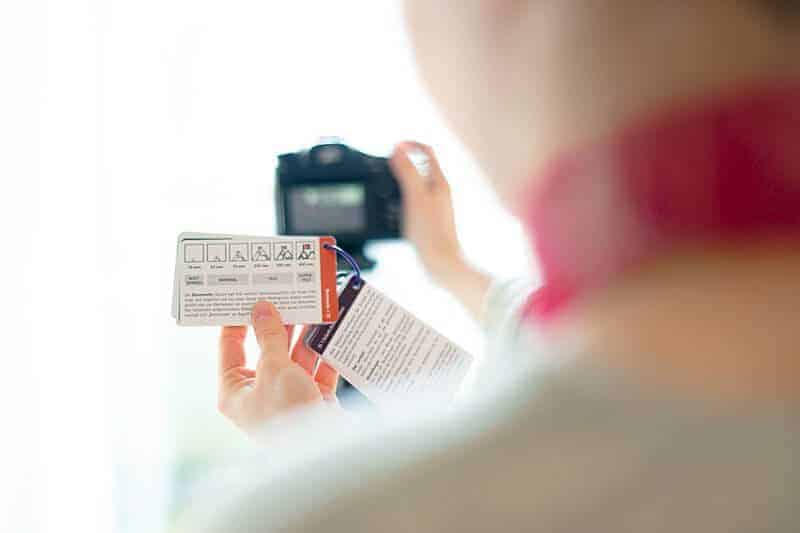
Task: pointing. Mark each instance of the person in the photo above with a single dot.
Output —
(651, 383)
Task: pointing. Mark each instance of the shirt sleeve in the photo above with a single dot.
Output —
(503, 305)
(505, 335)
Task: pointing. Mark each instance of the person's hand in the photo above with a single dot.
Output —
(428, 210)
(280, 382)
(429, 224)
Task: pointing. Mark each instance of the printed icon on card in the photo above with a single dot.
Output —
(217, 253)
(239, 252)
(260, 251)
(306, 251)
(193, 253)
(283, 251)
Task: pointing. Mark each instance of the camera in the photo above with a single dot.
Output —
(333, 189)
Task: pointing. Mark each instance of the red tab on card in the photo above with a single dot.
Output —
(327, 276)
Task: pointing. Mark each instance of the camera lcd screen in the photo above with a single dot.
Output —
(322, 209)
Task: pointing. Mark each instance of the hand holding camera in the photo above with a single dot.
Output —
(333, 189)
(337, 190)
(429, 225)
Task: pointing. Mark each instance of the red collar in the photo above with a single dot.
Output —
(727, 170)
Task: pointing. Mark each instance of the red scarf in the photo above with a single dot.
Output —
(725, 171)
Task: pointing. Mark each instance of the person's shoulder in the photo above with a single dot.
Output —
(576, 448)
(321, 471)
(588, 450)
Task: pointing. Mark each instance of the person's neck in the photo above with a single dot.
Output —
(662, 246)
(723, 323)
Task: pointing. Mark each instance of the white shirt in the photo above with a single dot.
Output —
(569, 448)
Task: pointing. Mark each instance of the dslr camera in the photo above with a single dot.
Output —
(333, 189)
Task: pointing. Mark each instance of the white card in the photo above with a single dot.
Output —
(218, 278)
(386, 352)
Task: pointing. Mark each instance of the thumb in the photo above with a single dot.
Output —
(411, 181)
(272, 339)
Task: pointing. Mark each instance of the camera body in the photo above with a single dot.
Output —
(333, 189)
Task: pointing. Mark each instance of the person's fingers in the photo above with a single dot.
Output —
(303, 355)
(231, 348)
(327, 394)
(289, 335)
(427, 172)
(410, 180)
(436, 177)
(293, 388)
(326, 377)
(232, 373)
(272, 339)
(270, 331)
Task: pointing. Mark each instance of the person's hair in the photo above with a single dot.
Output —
(782, 7)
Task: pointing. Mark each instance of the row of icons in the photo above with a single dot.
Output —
(241, 252)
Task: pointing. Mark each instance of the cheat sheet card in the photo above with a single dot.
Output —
(386, 352)
(218, 278)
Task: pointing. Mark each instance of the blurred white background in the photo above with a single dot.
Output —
(123, 123)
